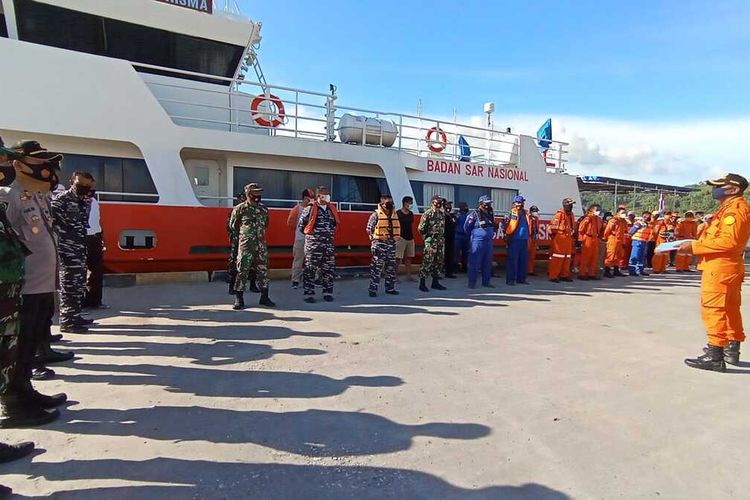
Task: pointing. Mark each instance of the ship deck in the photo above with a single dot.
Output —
(547, 391)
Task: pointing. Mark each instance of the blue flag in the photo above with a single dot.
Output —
(544, 135)
(465, 149)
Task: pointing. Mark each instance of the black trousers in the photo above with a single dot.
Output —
(450, 252)
(650, 253)
(95, 266)
(37, 311)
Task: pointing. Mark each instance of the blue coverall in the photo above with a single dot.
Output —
(637, 254)
(481, 227)
(518, 252)
(461, 243)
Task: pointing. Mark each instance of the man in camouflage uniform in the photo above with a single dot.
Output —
(318, 222)
(384, 230)
(27, 211)
(71, 220)
(234, 242)
(432, 228)
(248, 223)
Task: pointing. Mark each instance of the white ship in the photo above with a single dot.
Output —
(165, 103)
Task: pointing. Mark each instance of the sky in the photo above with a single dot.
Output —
(647, 90)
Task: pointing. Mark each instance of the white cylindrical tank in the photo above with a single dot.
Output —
(352, 128)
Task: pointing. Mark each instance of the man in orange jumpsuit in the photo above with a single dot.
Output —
(687, 229)
(627, 244)
(614, 234)
(561, 229)
(721, 249)
(590, 232)
(533, 238)
(664, 230)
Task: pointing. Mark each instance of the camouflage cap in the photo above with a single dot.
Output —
(33, 149)
(729, 180)
(254, 187)
(568, 201)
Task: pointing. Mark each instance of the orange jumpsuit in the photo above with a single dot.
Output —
(590, 234)
(615, 233)
(686, 229)
(561, 253)
(720, 250)
(533, 242)
(664, 231)
(627, 245)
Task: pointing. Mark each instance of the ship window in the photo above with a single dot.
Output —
(113, 176)
(502, 199)
(471, 194)
(429, 190)
(282, 189)
(68, 29)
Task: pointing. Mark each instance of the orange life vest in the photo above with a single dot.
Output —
(387, 226)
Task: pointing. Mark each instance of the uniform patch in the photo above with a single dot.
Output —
(728, 220)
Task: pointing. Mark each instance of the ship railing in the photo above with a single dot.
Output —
(225, 104)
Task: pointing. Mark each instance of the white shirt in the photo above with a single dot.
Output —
(95, 226)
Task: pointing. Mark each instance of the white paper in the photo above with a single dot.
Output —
(669, 246)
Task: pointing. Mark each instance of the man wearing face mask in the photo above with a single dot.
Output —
(533, 238)
(249, 222)
(94, 253)
(450, 240)
(590, 233)
(614, 234)
(518, 233)
(432, 227)
(298, 251)
(461, 243)
(319, 222)
(384, 231)
(71, 222)
(405, 245)
(561, 229)
(721, 250)
(28, 212)
(480, 224)
(640, 233)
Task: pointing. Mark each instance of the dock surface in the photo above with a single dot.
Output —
(574, 390)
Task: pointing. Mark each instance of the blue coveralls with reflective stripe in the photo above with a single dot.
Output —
(518, 250)
(481, 228)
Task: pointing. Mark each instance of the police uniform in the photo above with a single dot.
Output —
(480, 226)
(384, 230)
(71, 221)
(720, 250)
(318, 223)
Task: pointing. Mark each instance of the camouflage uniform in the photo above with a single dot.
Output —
(320, 258)
(12, 255)
(248, 224)
(383, 258)
(432, 227)
(71, 220)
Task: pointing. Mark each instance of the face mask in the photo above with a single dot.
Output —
(407, 206)
(389, 205)
(327, 198)
(718, 192)
(535, 214)
(568, 208)
(81, 190)
(41, 172)
(597, 213)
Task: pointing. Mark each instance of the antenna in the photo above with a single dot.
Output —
(489, 108)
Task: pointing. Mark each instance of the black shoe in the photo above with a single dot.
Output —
(423, 286)
(608, 273)
(328, 298)
(436, 285)
(732, 353)
(567, 280)
(618, 273)
(55, 338)
(264, 300)
(392, 292)
(310, 299)
(712, 360)
(10, 452)
(47, 402)
(555, 280)
(49, 357)
(373, 294)
(73, 328)
(81, 321)
(239, 301)
(17, 413)
(42, 373)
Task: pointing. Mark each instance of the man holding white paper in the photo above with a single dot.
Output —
(720, 250)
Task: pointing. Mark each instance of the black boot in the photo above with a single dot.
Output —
(264, 300)
(46, 355)
(253, 287)
(423, 286)
(712, 360)
(608, 272)
(617, 272)
(10, 452)
(36, 398)
(732, 353)
(436, 285)
(239, 301)
(16, 412)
